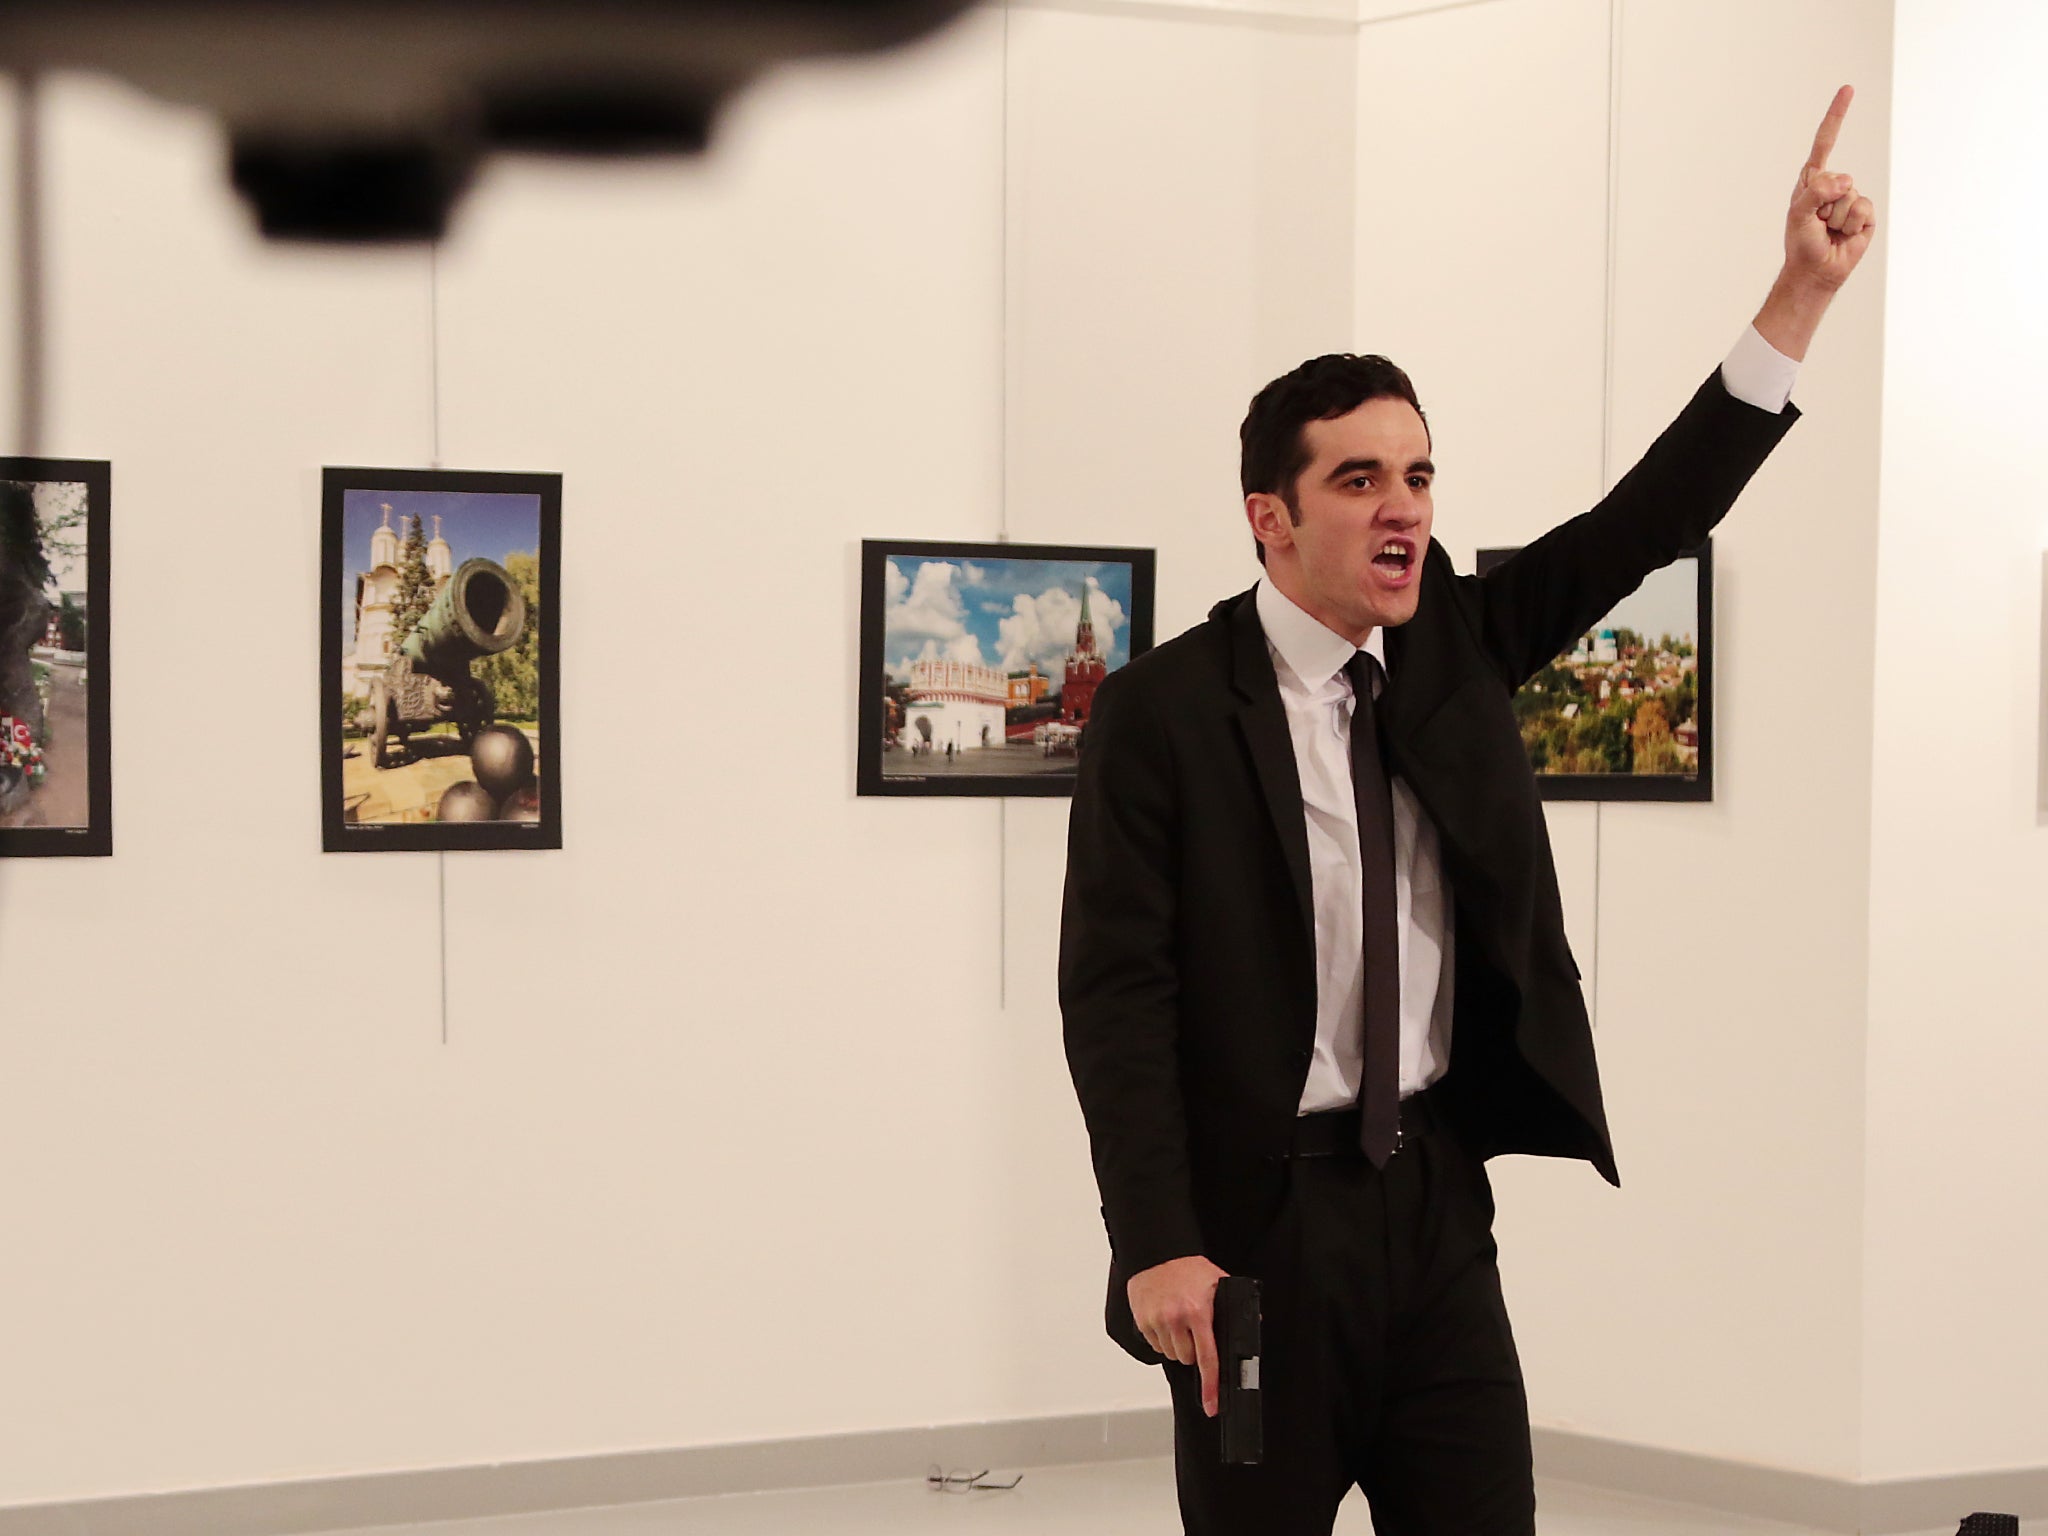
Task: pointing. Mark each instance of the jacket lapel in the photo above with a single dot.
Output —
(1264, 724)
(1451, 739)
(1419, 677)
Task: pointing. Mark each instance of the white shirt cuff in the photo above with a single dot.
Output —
(1758, 374)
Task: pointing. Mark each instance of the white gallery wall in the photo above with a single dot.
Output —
(744, 1116)
(1957, 1152)
(732, 1135)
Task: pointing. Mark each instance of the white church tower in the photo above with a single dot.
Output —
(376, 597)
(440, 558)
(377, 601)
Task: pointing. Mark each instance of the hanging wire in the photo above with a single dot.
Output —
(28, 273)
(434, 346)
(441, 859)
(1003, 488)
(1614, 15)
(1612, 241)
(29, 327)
(434, 393)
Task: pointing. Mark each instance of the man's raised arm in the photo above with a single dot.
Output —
(1531, 606)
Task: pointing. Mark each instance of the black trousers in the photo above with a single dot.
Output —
(1387, 1361)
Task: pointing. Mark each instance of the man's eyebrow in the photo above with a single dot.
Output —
(1354, 466)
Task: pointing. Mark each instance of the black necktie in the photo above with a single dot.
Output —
(1379, 1096)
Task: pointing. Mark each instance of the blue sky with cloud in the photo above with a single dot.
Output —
(1002, 613)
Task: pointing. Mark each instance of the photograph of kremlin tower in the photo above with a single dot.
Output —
(980, 662)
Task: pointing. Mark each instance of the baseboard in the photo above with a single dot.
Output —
(581, 1482)
(1888, 1507)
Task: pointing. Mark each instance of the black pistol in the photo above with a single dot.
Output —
(1237, 1366)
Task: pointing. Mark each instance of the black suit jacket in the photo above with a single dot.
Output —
(1187, 942)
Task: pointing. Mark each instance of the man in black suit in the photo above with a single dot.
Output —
(1313, 963)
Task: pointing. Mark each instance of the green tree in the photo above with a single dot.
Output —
(415, 584)
(71, 626)
(62, 510)
(513, 676)
(24, 612)
(1662, 756)
(1653, 750)
(1602, 736)
(895, 706)
(1683, 702)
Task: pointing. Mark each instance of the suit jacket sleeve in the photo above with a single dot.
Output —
(1119, 982)
(1533, 606)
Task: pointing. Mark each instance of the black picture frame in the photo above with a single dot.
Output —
(1040, 762)
(95, 839)
(1695, 786)
(342, 830)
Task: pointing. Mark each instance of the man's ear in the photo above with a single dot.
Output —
(1271, 523)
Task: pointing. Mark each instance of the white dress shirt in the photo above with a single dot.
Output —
(1308, 660)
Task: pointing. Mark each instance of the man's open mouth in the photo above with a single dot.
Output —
(1395, 559)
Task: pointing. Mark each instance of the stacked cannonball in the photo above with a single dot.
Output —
(504, 789)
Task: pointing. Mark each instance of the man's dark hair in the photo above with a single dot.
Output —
(1273, 448)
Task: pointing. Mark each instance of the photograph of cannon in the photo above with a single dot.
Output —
(438, 675)
(480, 612)
(56, 775)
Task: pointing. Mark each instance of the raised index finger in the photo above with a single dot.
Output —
(1830, 129)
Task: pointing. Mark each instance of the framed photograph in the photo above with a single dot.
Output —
(56, 764)
(979, 662)
(1628, 712)
(439, 680)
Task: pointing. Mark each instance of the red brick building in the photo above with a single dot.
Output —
(1085, 670)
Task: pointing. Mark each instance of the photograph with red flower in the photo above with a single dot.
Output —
(55, 769)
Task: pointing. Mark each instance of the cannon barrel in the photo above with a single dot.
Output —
(479, 613)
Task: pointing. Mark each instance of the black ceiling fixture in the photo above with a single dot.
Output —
(364, 120)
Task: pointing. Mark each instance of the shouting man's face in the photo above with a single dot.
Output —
(1349, 550)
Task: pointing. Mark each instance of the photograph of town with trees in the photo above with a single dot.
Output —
(1626, 713)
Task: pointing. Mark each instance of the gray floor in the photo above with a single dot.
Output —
(1119, 1498)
